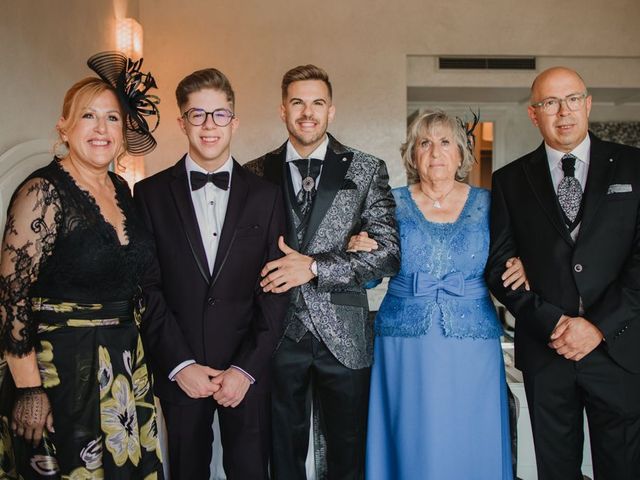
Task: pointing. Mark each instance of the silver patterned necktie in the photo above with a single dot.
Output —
(569, 189)
(309, 169)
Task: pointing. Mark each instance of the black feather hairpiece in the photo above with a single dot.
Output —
(131, 86)
(469, 128)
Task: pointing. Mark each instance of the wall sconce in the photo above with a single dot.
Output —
(129, 37)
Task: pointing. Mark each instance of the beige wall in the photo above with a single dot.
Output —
(608, 79)
(363, 45)
(44, 46)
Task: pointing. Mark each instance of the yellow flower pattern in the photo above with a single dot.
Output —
(7, 459)
(139, 352)
(140, 383)
(105, 371)
(105, 357)
(48, 371)
(120, 423)
(45, 464)
(82, 473)
(91, 455)
(44, 304)
(149, 436)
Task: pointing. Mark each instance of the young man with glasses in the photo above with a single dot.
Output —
(210, 331)
(571, 211)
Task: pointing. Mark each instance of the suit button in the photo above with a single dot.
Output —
(211, 301)
(577, 268)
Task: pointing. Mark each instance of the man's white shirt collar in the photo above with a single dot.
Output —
(582, 152)
(319, 153)
(191, 165)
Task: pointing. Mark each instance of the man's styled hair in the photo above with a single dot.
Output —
(203, 79)
(305, 72)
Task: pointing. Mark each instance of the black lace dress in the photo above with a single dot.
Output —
(68, 289)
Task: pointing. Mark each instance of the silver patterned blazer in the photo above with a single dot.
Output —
(353, 195)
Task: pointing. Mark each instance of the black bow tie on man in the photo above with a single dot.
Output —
(199, 179)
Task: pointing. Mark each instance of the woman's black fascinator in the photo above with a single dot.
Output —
(469, 128)
(131, 86)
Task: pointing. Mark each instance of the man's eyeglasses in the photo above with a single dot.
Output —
(220, 116)
(551, 105)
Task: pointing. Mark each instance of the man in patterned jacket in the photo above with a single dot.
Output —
(331, 192)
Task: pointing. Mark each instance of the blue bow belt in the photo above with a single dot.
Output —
(423, 284)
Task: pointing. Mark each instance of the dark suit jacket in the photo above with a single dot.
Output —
(602, 267)
(353, 195)
(221, 319)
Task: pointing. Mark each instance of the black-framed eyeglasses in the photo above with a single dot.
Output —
(551, 105)
(220, 116)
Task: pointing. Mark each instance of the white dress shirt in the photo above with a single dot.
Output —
(582, 153)
(210, 204)
(292, 154)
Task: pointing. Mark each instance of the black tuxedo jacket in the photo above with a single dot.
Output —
(217, 319)
(602, 267)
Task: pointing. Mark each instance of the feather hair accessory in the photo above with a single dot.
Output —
(131, 86)
(469, 128)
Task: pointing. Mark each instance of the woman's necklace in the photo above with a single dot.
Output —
(91, 185)
(437, 202)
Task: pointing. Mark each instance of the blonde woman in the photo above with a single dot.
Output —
(73, 252)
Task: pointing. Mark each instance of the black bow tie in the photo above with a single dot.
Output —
(199, 180)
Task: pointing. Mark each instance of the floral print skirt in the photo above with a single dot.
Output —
(93, 369)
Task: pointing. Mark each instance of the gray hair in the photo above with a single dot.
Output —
(426, 123)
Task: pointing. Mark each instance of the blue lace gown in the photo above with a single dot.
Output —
(438, 402)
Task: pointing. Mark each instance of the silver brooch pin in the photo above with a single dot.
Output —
(308, 183)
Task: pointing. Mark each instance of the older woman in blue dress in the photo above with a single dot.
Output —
(438, 403)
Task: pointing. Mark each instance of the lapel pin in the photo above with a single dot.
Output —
(344, 159)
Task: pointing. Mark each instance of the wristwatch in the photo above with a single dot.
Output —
(314, 268)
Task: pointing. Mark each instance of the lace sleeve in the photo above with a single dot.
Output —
(30, 233)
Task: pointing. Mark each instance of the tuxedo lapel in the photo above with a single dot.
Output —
(237, 200)
(601, 168)
(539, 177)
(274, 163)
(291, 205)
(184, 205)
(334, 168)
(277, 171)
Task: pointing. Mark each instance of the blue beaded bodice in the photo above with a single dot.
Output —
(440, 252)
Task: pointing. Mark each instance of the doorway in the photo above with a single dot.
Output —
(480, 174)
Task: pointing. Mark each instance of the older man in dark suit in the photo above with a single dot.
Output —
(571, 211)
(331, 192)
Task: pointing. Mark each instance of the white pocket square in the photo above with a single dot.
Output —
(619, 188)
